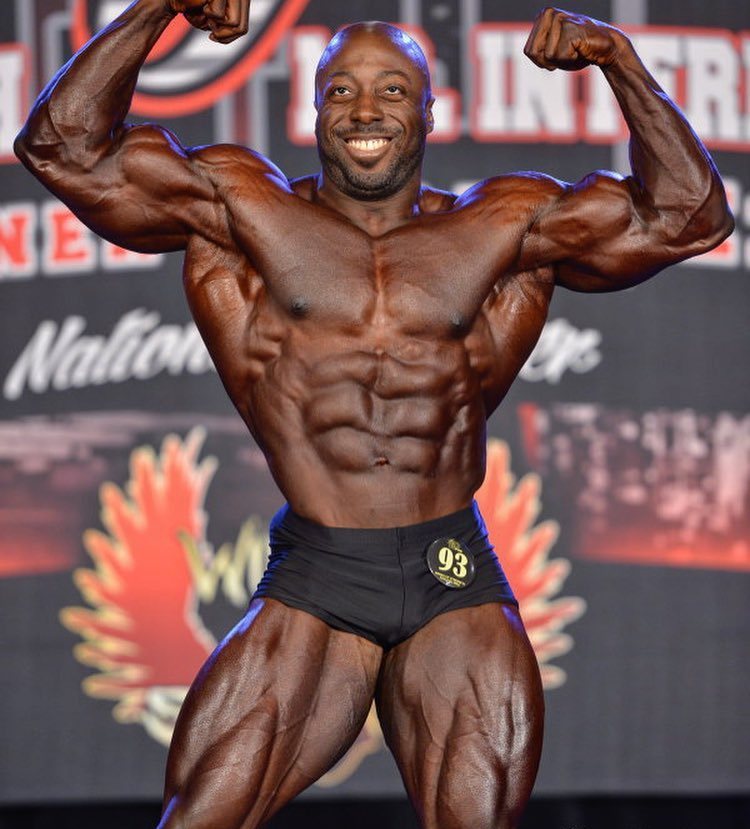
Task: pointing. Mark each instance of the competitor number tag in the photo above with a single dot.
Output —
(451, 563)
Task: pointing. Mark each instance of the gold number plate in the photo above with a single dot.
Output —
(451, 563)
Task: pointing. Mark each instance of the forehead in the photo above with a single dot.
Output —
(372, 49)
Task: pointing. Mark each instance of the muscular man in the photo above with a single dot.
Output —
(366, 327)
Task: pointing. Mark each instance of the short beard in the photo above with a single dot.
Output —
(370, 186)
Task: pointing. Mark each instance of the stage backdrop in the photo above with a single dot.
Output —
(135, 506)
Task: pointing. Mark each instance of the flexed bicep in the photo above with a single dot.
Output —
(133, 185)
(148, 193)
(607, 232)
(599, 234)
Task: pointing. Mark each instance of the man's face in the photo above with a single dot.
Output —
(374, 113)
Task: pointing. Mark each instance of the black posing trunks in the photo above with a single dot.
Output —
(377, 583)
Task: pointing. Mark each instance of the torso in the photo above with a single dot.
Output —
(366, 367)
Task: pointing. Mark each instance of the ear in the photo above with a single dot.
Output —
(430, 116)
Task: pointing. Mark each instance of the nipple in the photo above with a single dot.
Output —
(458, 322)
(300, 306)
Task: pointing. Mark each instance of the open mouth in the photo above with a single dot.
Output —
(368, 145)
(367, 149)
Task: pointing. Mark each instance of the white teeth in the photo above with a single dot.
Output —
(367, 144)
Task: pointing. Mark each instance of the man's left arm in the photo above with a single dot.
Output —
(607, 232)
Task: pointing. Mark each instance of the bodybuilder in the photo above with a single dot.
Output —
(365, 327)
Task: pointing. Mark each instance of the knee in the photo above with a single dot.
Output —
(477, 795)
(181, 813)
(481, 816)
(472, 813)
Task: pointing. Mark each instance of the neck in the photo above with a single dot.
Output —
(375, 217)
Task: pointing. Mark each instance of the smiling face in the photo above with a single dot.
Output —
(374, 110)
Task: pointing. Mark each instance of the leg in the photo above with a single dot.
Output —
(279, 701)
(462, 710)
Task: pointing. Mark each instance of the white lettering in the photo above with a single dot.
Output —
(515, 100)
(306, 44)
(18, 255)
(61, 357)
(713, 87)
(562, 347)
(542, 103)
(13, 61)
(662, 54)
(38, 360)
(490, 112)
(69, 246)
(603, 121)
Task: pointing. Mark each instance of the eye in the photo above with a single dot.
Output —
(339, 91)
(394, 89)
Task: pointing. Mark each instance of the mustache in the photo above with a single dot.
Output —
(365, 130)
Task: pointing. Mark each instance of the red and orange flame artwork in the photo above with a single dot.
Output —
(523, 549)
(141, 628)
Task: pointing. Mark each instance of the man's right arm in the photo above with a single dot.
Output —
(134, 185)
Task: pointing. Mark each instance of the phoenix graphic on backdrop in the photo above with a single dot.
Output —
(142, 629)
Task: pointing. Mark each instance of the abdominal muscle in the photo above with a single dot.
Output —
(369, 439)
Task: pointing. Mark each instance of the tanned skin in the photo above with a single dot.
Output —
(366, 327)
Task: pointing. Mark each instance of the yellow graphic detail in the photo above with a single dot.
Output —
(237, 568)
(152, 566)
(455, 562)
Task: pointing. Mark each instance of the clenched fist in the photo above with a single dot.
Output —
(225, 19)
(562, 40)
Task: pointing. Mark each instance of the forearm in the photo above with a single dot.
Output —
(80, 114)
(676, 182)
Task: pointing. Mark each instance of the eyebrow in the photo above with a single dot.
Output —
(384, 73)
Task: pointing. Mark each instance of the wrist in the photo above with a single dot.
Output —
(159, 8)
(622, 53)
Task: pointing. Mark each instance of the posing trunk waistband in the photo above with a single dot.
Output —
(466, 519)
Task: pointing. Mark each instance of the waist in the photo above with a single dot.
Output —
(466, 520)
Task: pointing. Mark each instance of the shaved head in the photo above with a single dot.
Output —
(374, 103)
(397, 37)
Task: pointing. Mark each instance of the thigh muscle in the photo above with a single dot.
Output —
(274, 707)
(462, 710)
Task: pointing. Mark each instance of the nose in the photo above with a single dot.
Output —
(366, 108)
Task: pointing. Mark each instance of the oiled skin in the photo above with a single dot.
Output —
(365, 341)
(374, 358)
